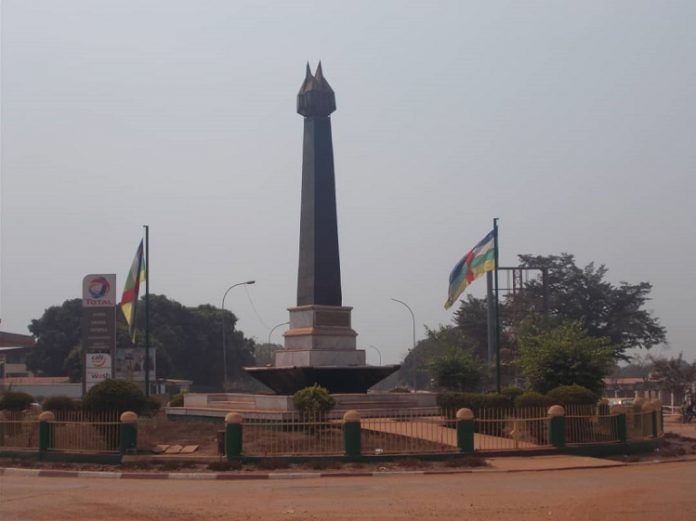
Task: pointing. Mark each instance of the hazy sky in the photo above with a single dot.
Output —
(573, 122)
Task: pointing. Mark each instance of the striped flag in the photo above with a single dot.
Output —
(475, 263)
(129, 300)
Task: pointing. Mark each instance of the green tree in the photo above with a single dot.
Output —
(675, 375)
(455, 369)
(564, 355)
(57, 332)
(187, 340)
(616, 312)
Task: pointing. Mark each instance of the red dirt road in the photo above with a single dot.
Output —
(662, 492)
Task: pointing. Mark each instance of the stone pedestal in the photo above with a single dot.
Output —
(320, 336)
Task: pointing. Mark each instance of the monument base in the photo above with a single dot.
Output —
(337, 379)
(278, 407)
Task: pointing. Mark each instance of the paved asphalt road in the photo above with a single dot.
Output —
(647, 492)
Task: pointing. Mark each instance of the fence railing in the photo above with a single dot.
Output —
(511, 429)
(291, 436)
(409, 431)
(19, 434)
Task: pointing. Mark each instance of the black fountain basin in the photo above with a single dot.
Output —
(337, 379)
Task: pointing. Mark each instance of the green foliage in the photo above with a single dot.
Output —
(585, 296)
(511, 392)
(115, 395)
(572, 395)
(451, 401)
(674, 374)
(564, 355)
(15, 401)
(456, 370)
(57, 332)
(152, 406)
(187, 341)
(532, 399)
(313, 401)
(60, 404)
(400, 389)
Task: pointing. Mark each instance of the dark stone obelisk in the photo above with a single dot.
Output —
(319, 273)
(320, 344)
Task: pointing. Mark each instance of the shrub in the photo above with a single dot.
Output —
(152, 406)
(60, 404)
(572, 395)
(15, 401)
(400, 389)
(451, 401)
(511, 392)
(532, 399)
(114, 396)
(313, 401)
(456, 370)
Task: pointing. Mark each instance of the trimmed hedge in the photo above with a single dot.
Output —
(451, 401)
(15, 401)
(115, 396)
(512, 397)
(532, 399)
(60, 404)
(572, 395)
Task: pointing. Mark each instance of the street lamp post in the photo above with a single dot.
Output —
(413, 321)
(274, 328)
(224, 345)
(378, 352)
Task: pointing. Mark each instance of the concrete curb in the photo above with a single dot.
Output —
(235, 476)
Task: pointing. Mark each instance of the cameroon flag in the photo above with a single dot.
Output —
(129, 300)
(475, 263)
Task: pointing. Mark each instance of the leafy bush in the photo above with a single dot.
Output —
(400, 389)
(114, 395)
(15, 401)
(532, 399)
(511, 392)
(565, 355)
(572, 395)
(313, 401)
(60, 404)
(456, 370)
(153, 405)
(451, 401)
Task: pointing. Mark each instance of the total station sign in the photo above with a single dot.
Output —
(99, 291)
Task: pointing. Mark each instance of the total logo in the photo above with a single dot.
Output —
(98, 287)
(98, 290)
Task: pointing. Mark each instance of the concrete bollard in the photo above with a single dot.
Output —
(351, 433)
(233, 435)
(557, 426)
(128, 432)
(465, 430)
(45, 432)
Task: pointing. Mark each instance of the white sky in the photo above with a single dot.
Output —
(574, 122)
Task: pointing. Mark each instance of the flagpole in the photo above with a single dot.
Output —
(147, 310)
(497, 309)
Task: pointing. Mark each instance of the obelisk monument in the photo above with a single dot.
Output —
(320, 331)
(320, 344)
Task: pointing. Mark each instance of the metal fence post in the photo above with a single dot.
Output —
(45, 430)
(557, 426)
(128, 432)
(233, 435)
(465, 430)
(351, 433)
